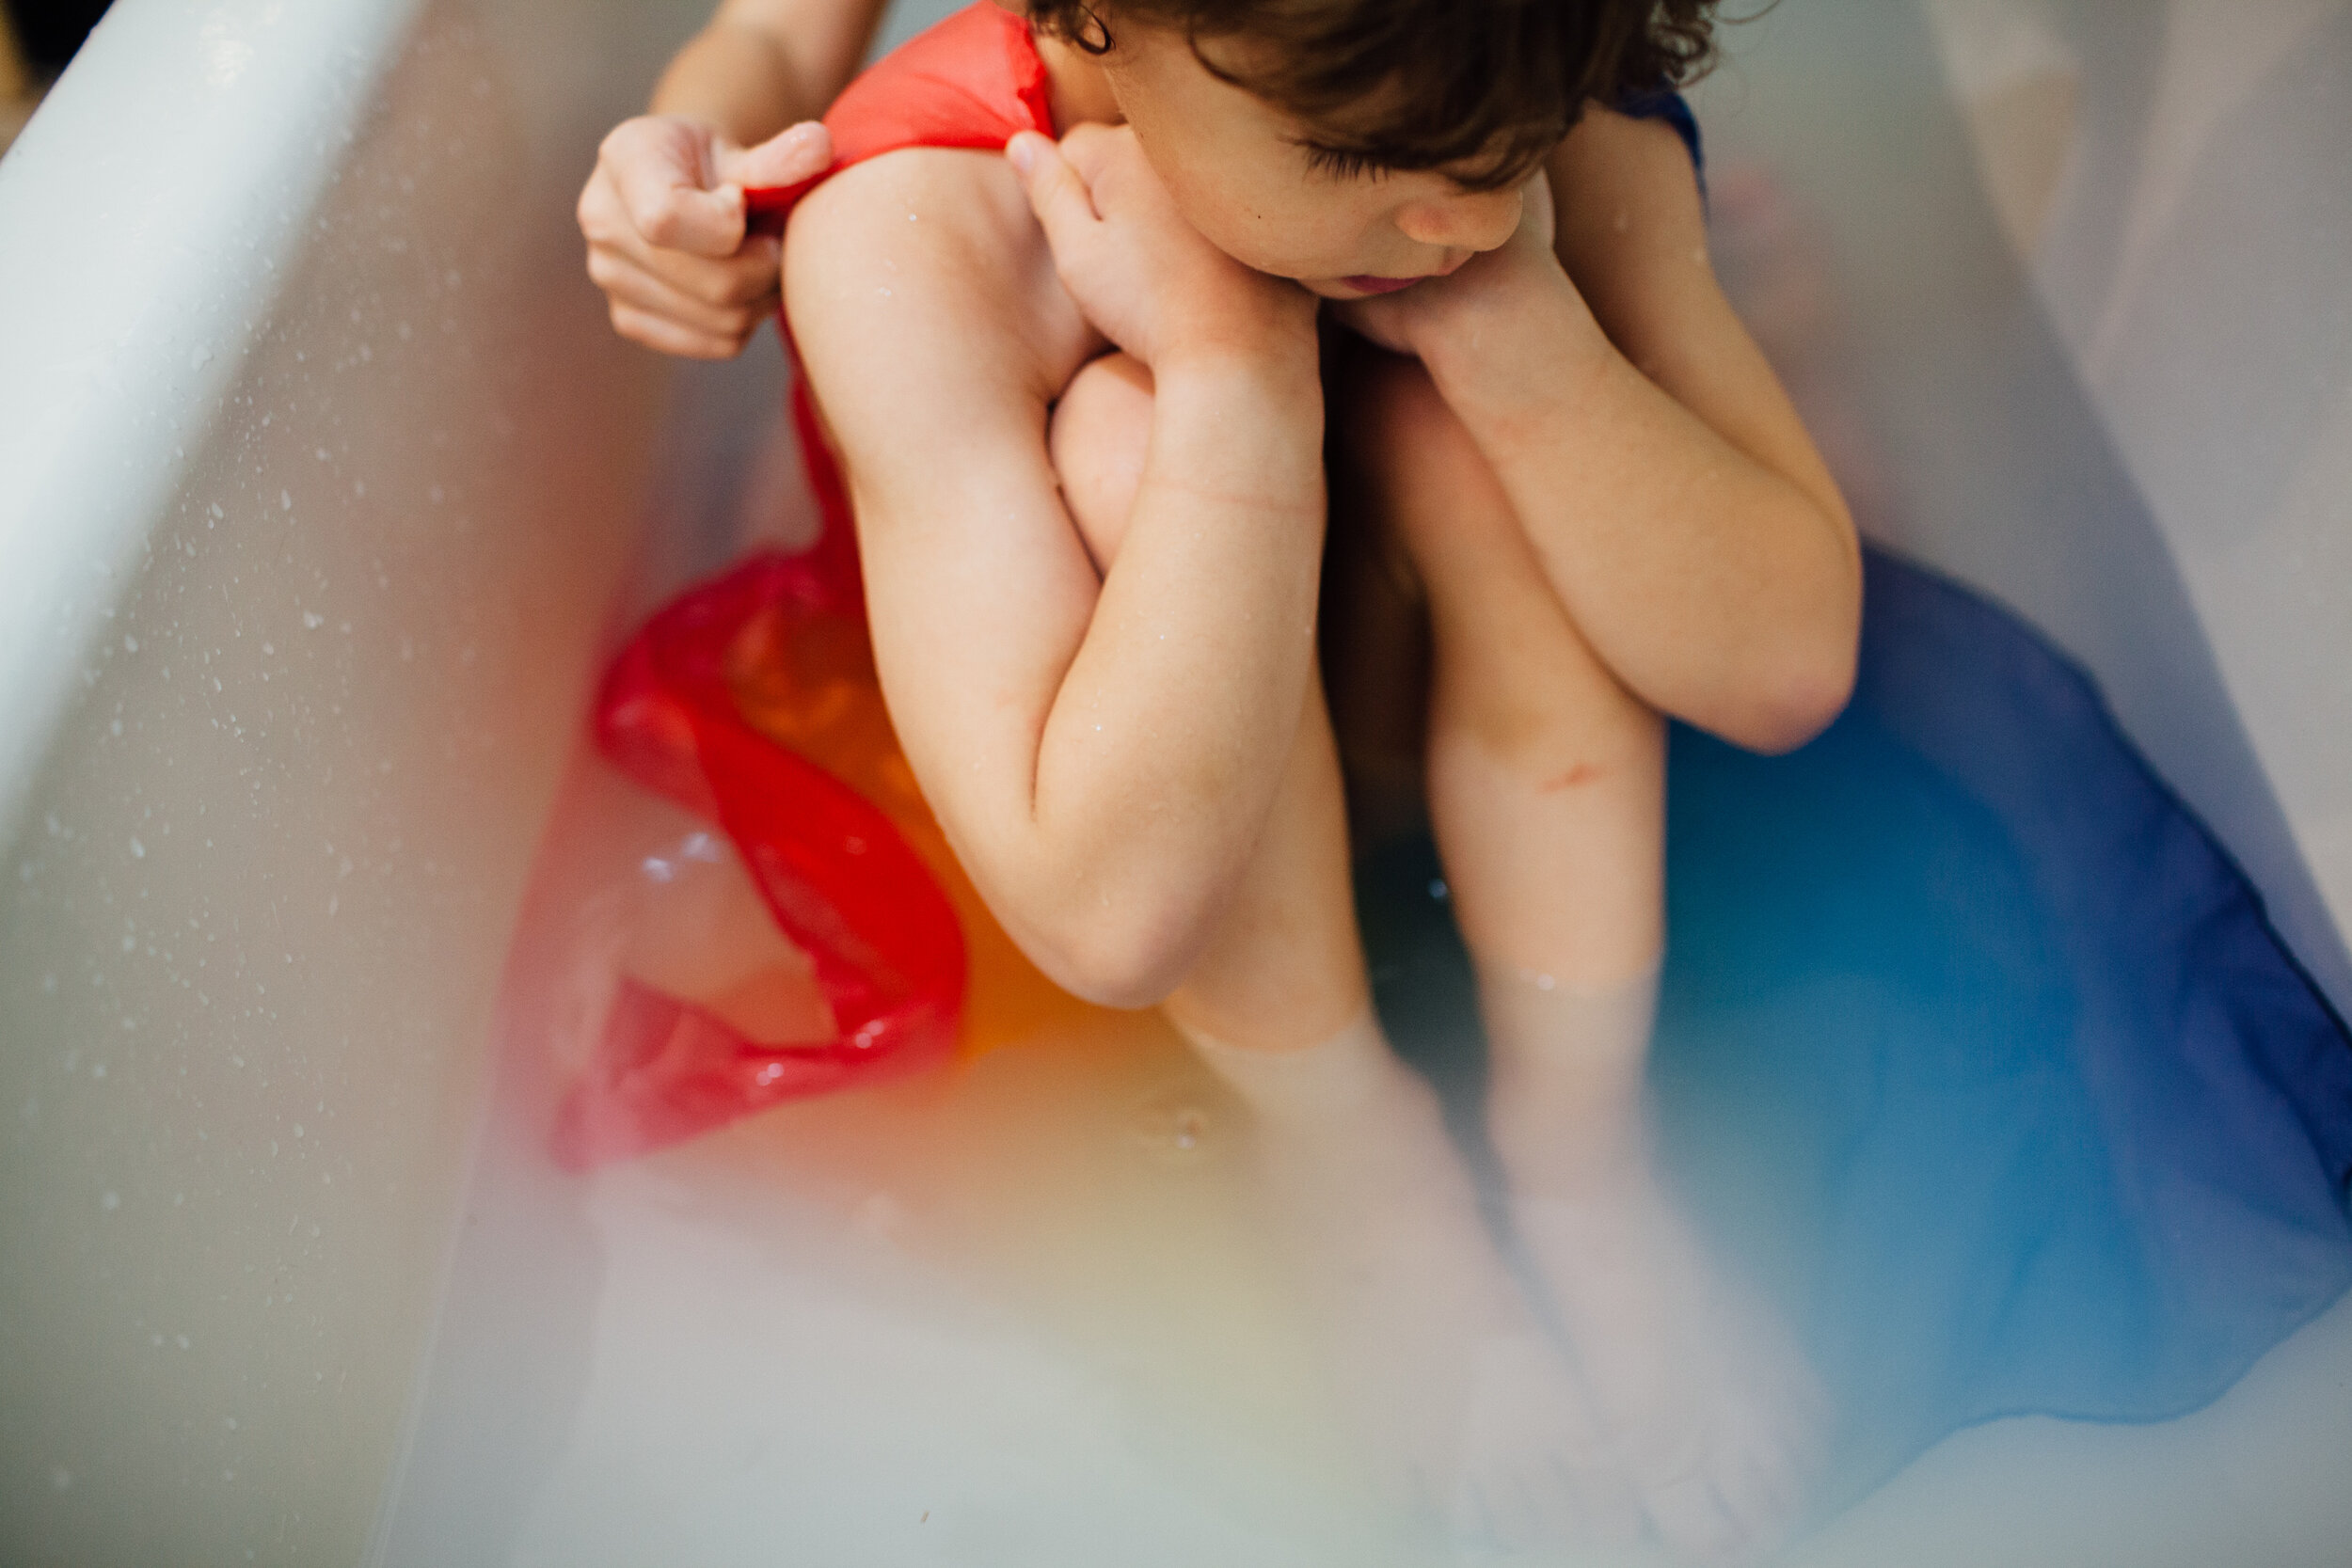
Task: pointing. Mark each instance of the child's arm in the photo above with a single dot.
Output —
(1667, 483)
(662, 212)
(760, 65)
(1102, 752)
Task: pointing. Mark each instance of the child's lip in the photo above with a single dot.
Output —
(1365, 284)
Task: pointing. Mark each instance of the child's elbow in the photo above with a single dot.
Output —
(1113, 958)
(1797, 693)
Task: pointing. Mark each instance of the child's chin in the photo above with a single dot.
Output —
(1334, 288)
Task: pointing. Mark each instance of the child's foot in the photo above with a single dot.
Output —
(1449, 1374)
(1715, 1414)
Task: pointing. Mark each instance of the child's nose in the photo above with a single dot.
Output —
(1472, 220)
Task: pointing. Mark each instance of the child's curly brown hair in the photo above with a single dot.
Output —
(1423, 84)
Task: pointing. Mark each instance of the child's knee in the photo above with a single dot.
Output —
(1100, 429)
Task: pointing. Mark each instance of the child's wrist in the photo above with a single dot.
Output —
(1242, 426)
(1272, 365)
(1508, 363)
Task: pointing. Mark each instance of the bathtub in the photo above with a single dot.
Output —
(324, 490)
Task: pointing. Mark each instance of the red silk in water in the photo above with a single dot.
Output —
(883, 939)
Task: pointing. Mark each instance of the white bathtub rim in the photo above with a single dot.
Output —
(179, 135)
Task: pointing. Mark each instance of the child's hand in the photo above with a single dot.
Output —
(663, 215)
(1442, 319)
(1140, 272)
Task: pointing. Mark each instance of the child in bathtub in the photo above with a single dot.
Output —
(1080, 390)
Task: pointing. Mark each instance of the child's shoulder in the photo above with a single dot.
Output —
(927, 263)
(1645, 163)
(1630, 220)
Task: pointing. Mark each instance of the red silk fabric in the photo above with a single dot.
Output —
(883, 939)
(974, 80)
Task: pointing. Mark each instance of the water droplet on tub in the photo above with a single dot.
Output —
(1174, 1128)
(138, 850)
(111, 1202)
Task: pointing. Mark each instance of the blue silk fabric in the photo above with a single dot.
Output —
(1974, 1048)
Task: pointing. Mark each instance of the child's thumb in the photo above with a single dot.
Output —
(796, 153)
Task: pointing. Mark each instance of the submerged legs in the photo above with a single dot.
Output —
(1463, 1398)
(1546, 788)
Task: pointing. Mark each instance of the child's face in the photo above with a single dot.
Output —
(1240, 169)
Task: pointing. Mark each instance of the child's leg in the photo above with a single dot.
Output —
(1546, 782)
(1547, 792)
(1443, 1362)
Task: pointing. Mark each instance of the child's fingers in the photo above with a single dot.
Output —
(1091, 148)
(701, 304)
(668, 337)
(1056, 193)
(655, 172)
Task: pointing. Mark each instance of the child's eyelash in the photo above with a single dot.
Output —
(1340, 163)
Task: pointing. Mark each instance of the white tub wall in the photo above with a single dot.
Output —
(2086, 257)
(2195, 264)
(315, 497)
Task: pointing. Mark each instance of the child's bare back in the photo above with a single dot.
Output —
(1079, 399)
